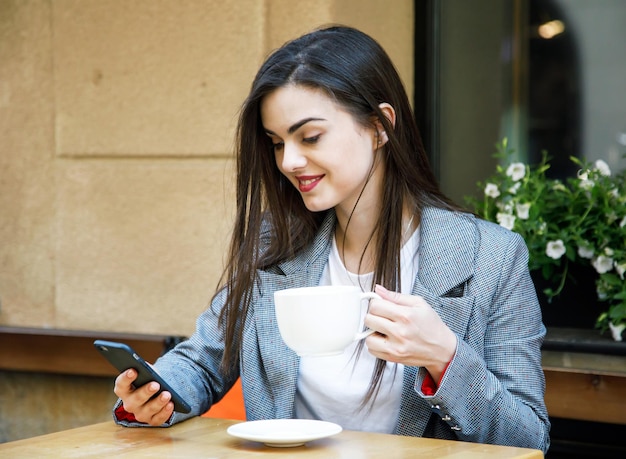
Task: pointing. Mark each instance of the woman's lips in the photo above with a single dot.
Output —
(308, 182)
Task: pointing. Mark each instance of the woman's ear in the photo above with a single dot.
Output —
(390, 114)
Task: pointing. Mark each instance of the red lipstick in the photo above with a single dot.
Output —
(307, 182)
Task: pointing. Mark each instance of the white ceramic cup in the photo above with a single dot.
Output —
(321, 321)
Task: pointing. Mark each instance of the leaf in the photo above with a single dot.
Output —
(618, 312)
(620, 296)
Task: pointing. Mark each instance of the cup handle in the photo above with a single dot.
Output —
(366, 296)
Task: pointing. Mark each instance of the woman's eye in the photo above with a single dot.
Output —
(313, 139)
(277, 145)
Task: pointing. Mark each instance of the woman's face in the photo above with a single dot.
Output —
(321, 149)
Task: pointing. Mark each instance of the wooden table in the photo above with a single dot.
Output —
(207, 437)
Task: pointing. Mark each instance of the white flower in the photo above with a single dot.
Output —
(608, 251)
(616, 331)
(515, 187)
(555, 249)
(585, 251)
(622, 223)
(516, 171)
(603, 168)
(522, 211)
(586, 184)
(492, 190)
(621, 269)
(558, 186)
(506, 220)
(602, 264)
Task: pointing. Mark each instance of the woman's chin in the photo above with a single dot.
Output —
(316, 206)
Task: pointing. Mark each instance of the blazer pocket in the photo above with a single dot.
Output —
(456, 292)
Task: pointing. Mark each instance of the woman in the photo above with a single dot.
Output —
(334, 187)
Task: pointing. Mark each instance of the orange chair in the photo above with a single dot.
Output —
(230, 407)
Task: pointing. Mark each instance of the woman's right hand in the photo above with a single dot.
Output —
(139, 402)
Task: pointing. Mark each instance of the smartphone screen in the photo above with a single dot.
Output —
(123, 357)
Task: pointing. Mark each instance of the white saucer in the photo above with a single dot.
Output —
(284, 432)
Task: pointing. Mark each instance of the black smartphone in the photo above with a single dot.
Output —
(122, 357)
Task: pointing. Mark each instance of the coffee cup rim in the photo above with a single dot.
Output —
(319, 289)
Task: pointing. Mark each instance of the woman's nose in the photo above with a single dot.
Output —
(293, 158)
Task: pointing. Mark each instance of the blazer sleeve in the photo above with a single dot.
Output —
(493, 389)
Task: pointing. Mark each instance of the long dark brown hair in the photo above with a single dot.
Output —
(272, 223)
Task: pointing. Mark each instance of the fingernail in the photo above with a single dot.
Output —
(381, 288)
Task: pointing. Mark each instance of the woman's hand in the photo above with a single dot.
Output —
(410, 332)
(153, 411)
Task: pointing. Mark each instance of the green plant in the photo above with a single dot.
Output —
(580, 220)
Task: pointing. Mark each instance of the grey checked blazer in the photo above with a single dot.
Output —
(473, 273)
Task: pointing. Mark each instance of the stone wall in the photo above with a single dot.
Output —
(116, 134)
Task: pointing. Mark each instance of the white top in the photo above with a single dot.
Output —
(333, 388)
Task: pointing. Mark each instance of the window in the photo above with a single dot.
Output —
(547, 74)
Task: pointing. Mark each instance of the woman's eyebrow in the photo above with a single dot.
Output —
(294, 127)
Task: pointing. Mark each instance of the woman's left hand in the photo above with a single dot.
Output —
(409, 331)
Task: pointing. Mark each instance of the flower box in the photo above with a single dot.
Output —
(575, 230)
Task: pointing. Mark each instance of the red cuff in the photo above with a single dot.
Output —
(122, 415)
(429, 387)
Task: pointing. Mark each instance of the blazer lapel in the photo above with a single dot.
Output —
(303, 271)
(448, 244)
(447, 250)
